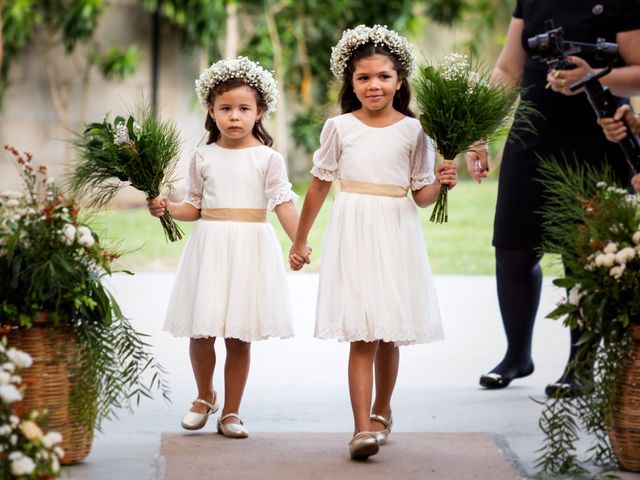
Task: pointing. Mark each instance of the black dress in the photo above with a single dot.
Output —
(567, 128)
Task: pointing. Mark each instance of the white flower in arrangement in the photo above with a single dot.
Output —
(605, 260)
(13, 439)
(243, 68)
(59, 451)
(51, 439)
(83, 230)
(31, 430)
(454, 65)
(50, 181)
(55, 464)
(86, 240)
(9, 367)
(121, 135)
(601, 184)
(611, 247)
(624, 255)
(378, 35)
(5, 430)
(17, 379)
(9, 393)
(21, 464)
(12, 203)
(68, 234)
(636, 237)
(616, 272)
(19, 358)
(575, 295)
(5, 377)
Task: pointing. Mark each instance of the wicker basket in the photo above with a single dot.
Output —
(49, 383)
(624, 432)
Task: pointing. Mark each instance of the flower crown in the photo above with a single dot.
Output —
(243, 68)
(378, 35)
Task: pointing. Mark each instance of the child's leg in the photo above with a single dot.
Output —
(361, 357)
(203, 362)
(386, 373)
(236, 371)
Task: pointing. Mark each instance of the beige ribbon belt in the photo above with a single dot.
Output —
(366, 188)
(234, 214)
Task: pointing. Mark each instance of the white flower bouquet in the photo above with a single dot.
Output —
(459, 107)
(140, 152)
(26, 452)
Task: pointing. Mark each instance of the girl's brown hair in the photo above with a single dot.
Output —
(348, 100)
(258, 129)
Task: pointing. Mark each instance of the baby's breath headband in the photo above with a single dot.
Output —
(243, 68)
(378, 35)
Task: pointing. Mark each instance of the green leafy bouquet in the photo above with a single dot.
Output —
(594, 226)
(25, 450)
(458, 108)
(142, 153)
(53, 263)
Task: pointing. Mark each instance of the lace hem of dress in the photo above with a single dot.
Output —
(324, 174)
(282, 198)
(225, 333)
(418, 183)
(398, 337)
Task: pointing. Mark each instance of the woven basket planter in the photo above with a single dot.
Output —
(49, 382)
(624, 432)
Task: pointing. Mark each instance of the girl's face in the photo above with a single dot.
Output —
(235, 113)
(375, 82)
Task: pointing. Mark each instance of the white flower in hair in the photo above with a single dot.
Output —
(378, 35)
(243, 68)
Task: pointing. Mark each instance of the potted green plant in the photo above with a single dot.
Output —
(594, 225)
(54, 305)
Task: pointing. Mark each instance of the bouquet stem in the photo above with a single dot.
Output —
(171, 229)
(440, 213)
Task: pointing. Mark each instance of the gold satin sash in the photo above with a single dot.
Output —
(234, 214)
(366, 188)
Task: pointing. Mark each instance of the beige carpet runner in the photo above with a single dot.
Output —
(310, 456)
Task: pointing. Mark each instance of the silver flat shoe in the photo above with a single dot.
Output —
(382, 435)
(363, 445)
(232, 430)
(195, 420)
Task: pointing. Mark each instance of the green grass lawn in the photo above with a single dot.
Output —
(461, 246)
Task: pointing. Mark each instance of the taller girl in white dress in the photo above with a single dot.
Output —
(230, 281)
(376, 287)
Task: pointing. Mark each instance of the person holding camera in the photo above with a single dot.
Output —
(564, 129)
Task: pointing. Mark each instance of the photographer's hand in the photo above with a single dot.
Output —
(560, 80)
(613, 127)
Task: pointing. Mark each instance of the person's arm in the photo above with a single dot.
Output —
(288, 218)
(179, 211)
(429, 193)
(316, 195)
(508, 70)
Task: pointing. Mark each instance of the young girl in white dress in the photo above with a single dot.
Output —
(376, 286)
(231, 281)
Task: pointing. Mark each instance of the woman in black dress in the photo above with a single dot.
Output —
(565, 130)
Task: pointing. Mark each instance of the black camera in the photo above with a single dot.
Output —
(551, 48)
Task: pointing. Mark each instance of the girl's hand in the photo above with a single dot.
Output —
(560, 80)
(298, 256)
(447, 174)
(613, 127)
(478, 160)
(157, 205)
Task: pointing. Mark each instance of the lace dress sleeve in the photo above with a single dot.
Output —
(325, 159)
(195, 182)
(423, 159)
(277, 185)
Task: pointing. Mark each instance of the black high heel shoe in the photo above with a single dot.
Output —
(494, 381)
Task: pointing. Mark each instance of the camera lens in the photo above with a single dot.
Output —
(539, 43)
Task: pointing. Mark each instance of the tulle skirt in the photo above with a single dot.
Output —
(375, 278)
(230, 283)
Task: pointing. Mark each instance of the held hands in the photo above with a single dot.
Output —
(447, 174)
(613, 127)
(478, 160)
(298, 256)
(157, 205)
(560, 80)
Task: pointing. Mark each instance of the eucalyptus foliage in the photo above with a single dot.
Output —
(593, 224)
(142, 153)
(51, 262)
(459, 107)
